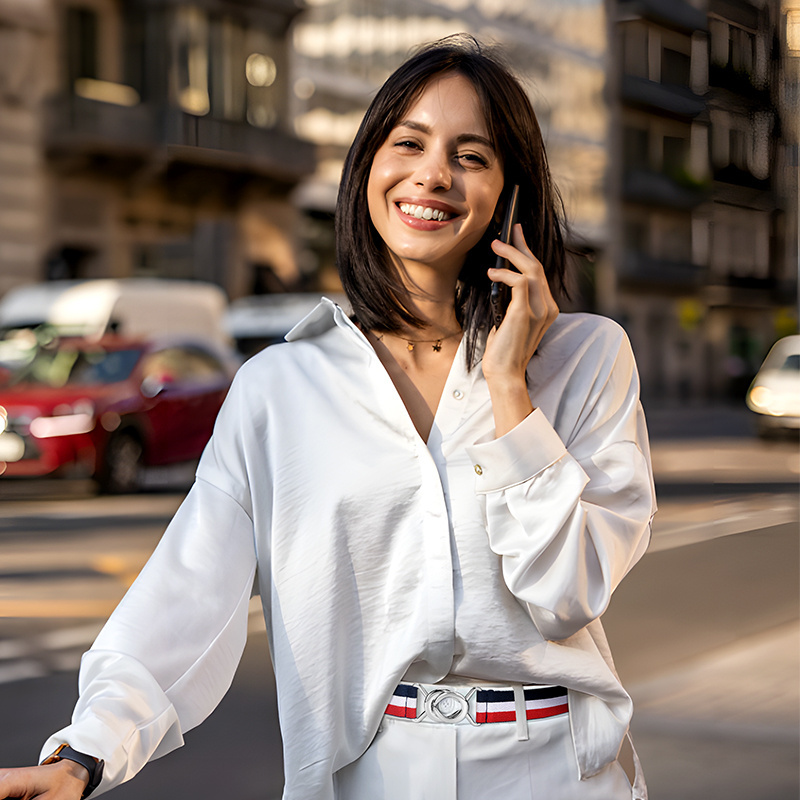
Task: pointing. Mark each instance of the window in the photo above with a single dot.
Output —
(675, 67)
(674, 238)
(740, 242)
(738, 148)
(634, 49)
(742, 46)
(635, 233)
(635, 147)
(82, 44)
(676, 155)
(793, 30)
(190, 61)
(228, 83)
(264, 79)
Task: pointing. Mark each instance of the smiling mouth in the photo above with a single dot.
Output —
(424, 212)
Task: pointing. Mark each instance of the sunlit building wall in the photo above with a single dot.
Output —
(165, 144)
(344, 49)
(25, 31)
(789, 164)
(702, 280)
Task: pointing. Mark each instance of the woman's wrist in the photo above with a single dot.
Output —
(511, 403)
(74, 770)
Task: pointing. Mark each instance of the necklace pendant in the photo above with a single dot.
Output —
(437, 345)
(410, 346)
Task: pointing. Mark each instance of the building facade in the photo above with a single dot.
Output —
(25, 29)
(706, 274)
(158, 142)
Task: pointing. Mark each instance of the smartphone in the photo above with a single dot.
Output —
(498, 297)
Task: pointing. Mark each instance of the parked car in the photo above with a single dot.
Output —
(108, 408)
(258, 321)
(774, 393)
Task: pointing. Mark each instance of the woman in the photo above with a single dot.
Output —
(436, 510)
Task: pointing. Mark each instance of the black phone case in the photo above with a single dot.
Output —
(498, 297)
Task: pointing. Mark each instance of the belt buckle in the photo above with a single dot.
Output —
(446, 705)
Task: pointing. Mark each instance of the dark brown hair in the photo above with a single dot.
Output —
(379, 299)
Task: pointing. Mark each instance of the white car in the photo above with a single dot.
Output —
(774, 393)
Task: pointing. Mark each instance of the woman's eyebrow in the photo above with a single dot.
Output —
(464, 138)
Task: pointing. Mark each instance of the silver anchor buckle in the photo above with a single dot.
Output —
(445, 705)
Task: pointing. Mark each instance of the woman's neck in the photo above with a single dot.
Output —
(432, 300)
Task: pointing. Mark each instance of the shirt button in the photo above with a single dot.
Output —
(478, 470)
(458, 394)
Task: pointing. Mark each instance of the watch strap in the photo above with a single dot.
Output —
(93, 765)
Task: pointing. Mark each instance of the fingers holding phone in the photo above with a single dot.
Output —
(530, 312)
(530, 296)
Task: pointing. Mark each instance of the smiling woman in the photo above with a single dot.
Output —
(437, 508)
(436, 180)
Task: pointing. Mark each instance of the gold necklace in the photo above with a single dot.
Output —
(436, 344)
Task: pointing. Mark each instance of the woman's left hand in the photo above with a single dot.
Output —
(509, 348)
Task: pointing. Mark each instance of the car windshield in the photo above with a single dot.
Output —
(792, 362)
(65, 367)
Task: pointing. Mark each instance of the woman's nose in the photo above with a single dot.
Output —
(433, 171)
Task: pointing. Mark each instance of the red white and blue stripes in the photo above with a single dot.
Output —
(403, 702)
(490, 705)
(493, 705)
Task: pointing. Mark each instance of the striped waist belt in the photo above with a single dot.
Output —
(476, 705)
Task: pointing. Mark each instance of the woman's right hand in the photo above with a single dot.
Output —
(64, 780)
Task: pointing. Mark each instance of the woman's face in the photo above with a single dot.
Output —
(435, 182)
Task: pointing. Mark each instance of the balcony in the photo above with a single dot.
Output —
(122, 140)
(676, 15)
(651, 188)
(676, 101)
(639, 269)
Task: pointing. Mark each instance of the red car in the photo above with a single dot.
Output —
(108, 408)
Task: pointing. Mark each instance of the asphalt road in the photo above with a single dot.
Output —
(704, 629)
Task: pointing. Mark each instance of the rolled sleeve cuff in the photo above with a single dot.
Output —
(518, 456)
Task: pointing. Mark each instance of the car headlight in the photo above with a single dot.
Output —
(74, 420)
(766, 401)
(760, 397)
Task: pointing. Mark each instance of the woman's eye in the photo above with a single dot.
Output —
(407, 145)
(472, 160)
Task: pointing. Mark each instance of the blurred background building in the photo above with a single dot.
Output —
(205, 140)
(148, 138)
(703, 189)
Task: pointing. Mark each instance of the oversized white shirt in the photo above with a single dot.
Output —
(380, 556)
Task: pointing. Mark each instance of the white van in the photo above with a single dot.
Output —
(128, 306)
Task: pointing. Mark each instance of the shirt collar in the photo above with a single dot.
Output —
(327, 315)
(322, 318)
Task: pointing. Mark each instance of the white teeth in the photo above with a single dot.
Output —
(423, 212)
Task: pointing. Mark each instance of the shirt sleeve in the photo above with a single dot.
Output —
(570, 520)
(169, 651)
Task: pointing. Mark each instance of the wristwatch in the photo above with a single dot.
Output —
(93, 765)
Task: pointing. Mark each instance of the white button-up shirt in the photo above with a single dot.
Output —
(380, 556)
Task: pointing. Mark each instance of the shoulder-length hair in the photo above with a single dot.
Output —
(373, 284)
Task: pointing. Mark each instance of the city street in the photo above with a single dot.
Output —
(704, 630)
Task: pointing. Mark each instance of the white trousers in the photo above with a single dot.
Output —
(410, 760)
